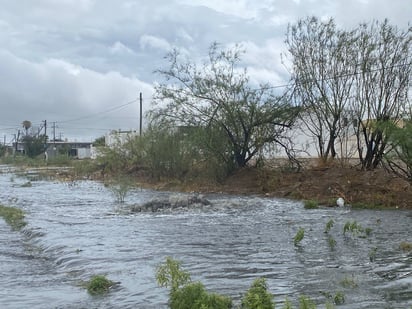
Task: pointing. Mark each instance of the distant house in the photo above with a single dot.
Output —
(78, 150)
(119, 137)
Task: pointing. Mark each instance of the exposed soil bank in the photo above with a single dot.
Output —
(364, 189)
(360, 188)
(368, 189)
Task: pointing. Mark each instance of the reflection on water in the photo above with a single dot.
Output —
(77, 230)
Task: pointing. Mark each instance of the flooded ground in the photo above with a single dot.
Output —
(77, 230)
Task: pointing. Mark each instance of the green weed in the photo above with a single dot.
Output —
(258, 297)
(299, 236)
(349, 282)
(13, 217)
(331, 242)
(311, 204)
(306, 303)
(339, 298)
(372, 254)
(329, 225)
(356, 229)
(98, 285)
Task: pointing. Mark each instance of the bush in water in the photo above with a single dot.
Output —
(185, 294)
(13, 216)
(258, 297)
(99, 285)
(311, 204)
(306, 303)
(170, 274)
(119, 188)
(194, 296)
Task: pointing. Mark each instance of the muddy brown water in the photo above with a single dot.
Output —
(77, 230)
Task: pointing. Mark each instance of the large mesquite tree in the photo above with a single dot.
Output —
(381, 99)
(322, 59)
(216, 97)
(358, 78)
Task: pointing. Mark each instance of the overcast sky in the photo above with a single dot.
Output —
(81, 64)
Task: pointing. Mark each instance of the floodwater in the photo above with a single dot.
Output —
(77, 230)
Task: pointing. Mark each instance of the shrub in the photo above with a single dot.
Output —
(98, 285)
(194, 296)
(339, 298)
(349, 282)
(185, 294)
(120, 188)
(311, 204)
(13, 216)
(258, 297)
(306, 303)
(171, 275)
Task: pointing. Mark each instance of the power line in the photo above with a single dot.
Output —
(100, 113)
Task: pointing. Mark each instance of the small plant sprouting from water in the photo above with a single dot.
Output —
(13, 217)
(339, 298)
(405, 246)
(356, 229)
(311, 204)
(306, 303)
(120, 189)
(331, 242)
(329, 225)
(287, 304)
(349, 282)
(299, 236)
(372, 254)
(99, 285)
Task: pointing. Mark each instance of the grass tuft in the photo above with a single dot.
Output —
(13, 217)
(311, 204)
(99, 285)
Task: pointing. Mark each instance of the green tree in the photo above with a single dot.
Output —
(34, 145)
(399, 155)
(217, 97)
(100, 141)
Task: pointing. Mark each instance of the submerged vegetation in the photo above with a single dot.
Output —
(185, 294)
(13, 216)
(299, 236)
(311, 204)
(98, 285)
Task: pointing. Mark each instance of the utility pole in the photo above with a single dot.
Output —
(141, 104)
(54, 132)
(45, 134)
